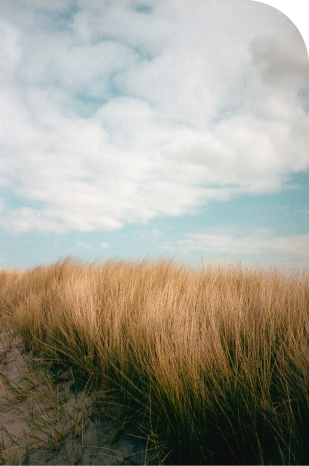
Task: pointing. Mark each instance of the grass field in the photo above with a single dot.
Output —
(211, 364)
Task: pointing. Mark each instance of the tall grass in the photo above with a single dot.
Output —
(213, 362)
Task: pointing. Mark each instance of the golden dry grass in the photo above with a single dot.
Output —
(212, 363)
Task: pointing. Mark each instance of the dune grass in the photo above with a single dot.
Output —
(213, 363)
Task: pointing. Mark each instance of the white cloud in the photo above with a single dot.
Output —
(83, 245)
(104, 245)
(44, 5)
(281, 63)
(10, 48)
(116, 112)
(24, 219)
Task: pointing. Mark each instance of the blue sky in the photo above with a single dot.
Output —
(149, 128)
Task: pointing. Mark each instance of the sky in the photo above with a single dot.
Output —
(151, 128)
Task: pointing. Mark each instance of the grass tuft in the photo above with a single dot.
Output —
(211, 364)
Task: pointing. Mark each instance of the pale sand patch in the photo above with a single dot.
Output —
(44, 421)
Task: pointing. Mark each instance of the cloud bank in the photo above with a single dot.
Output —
(120, 112)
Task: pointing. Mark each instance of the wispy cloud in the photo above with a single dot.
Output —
(260, 244)
(112, 113)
